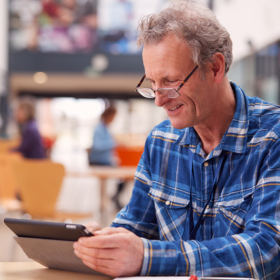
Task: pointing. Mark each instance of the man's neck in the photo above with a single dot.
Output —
(211, 132)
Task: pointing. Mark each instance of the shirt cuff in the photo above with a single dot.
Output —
(144, 269)
(160, 258)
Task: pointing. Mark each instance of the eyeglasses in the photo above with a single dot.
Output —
(166, 92)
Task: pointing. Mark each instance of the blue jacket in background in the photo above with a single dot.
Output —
(102, 151)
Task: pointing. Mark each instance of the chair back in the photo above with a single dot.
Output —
(39, 182)
(8, 186)
(129, 156)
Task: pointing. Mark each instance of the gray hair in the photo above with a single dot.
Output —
(195, 24)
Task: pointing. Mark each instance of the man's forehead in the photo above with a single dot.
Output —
(166, 67)
(166, 52)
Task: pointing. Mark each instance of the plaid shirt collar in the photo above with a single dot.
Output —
(235, 138)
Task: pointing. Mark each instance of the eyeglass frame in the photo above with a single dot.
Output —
(176, 90)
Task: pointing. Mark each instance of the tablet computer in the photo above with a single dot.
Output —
(47, 230)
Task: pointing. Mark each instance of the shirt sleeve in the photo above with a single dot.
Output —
(254, 253)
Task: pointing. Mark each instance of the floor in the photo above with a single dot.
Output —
(77, 194)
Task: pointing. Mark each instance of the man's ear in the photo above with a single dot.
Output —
(217, 67)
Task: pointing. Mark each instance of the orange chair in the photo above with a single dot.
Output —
(7, 144)
(8, 185)
(129, 156)
(39, 182)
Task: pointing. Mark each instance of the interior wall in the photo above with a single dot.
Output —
(3, 45)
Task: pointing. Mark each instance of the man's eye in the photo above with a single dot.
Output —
(172, 82)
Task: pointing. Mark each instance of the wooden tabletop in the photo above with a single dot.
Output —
(106, 172)
(35, 271)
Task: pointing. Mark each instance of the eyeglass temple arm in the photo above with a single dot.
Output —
(141, 81)
(187, 78)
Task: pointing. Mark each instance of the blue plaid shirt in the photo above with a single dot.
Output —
(240, 232)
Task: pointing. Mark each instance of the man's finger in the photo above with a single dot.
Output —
(102, 265)
(84, 257)
(111, 230)
(105, 263)
(95, 252)
(104, 241)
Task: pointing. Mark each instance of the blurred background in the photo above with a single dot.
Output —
(72, 59)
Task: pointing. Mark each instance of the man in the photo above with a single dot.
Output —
(206, 194)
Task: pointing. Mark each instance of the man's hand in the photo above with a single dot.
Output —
(113, 251)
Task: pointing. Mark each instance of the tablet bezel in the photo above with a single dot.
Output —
(47, 230)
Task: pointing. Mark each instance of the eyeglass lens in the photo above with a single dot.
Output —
(166, 92)
(146, 92)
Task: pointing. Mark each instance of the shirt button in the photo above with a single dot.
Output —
(167, 203)
(206, 164)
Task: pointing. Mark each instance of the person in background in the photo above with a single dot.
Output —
(31, 145)
(102, 151)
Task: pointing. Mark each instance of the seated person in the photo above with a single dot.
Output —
(206, 197)
(102, 151)
(31, 145)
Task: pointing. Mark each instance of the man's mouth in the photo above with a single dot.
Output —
(174, 108)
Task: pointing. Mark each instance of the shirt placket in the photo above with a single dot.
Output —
(203, 192)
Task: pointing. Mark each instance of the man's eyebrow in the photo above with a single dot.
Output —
(148, 79)
(162, 79)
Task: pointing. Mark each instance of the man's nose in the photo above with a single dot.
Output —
(159, 99)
